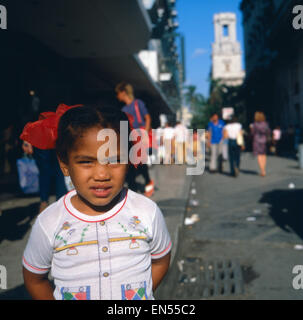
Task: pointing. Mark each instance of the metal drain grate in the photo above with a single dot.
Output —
(199, 279)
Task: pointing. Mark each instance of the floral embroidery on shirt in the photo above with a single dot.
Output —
(71, 248)
(134, 221)
(83, 233)
(66, 226)
(135, 224)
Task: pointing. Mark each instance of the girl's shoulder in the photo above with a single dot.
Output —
(50, 216)
(140, 198)
(140, 201)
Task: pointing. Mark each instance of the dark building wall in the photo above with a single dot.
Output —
(272, 47)
(27, 65)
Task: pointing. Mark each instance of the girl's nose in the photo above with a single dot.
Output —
(101, 172)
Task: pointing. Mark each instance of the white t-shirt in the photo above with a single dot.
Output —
(181, 133)
(277, 134)
(104, 257)
(168, 133)
(160, 134)
(233, 130)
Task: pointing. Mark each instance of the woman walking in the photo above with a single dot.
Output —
(260, 131)
(232, 131)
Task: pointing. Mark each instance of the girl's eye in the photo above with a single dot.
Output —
(85, 162)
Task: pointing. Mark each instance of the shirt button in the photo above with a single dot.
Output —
(104, 249)
(102, 223)
(105, 274)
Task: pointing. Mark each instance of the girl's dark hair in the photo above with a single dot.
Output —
(76, 121)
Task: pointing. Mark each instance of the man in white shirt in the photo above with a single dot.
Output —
(181, 134)
(160, 142)
(168, 135)
(232, 131)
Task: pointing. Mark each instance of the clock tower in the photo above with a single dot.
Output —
(226, 51)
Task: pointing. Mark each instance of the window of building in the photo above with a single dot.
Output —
(225, 31)
(227, 65)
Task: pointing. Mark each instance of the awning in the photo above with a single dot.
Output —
(105, 35)
(78, 28)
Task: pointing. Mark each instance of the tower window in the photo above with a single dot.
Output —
(225, 31)
(227, 65)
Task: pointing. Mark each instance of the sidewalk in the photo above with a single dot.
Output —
(18, 215)
(245, 244)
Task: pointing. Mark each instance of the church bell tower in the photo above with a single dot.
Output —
(226, 51)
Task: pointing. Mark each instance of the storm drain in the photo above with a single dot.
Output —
(200, 279)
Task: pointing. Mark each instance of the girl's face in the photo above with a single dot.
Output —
(98, 185)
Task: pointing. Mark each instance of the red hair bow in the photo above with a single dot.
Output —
(42, 134)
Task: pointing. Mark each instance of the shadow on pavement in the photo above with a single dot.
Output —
(14, 223)
(18, 293)
(286, 209)
(253, 172)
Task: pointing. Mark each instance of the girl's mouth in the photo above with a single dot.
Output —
(101, 192)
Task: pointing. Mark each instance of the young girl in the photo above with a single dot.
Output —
(100, 241)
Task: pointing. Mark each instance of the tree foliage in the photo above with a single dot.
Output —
(220, 96)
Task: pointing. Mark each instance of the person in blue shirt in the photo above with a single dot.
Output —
(215, 142)
(141, 119)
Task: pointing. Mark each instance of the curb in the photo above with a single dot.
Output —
(167, 285)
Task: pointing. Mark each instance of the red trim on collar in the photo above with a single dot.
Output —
(97, 220)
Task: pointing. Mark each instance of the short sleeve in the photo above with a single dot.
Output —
(142, 107)
(38, 253)
(161, 243)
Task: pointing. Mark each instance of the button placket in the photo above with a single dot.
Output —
(105, 266)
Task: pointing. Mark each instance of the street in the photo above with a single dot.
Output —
(243, 246)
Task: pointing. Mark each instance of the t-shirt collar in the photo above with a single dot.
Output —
(87, 218)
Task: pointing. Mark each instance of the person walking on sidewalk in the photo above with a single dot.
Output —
(136, 108)
(276, 138)
(160, 142)
(49, 169)
(100, 241)
(181, 136)
(169, 143)
(233, 132)
(215, 142)
(261, 132)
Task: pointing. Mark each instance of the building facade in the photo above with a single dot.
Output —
(226, 51)
(274, 61)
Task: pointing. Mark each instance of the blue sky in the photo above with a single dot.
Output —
(195, 19)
